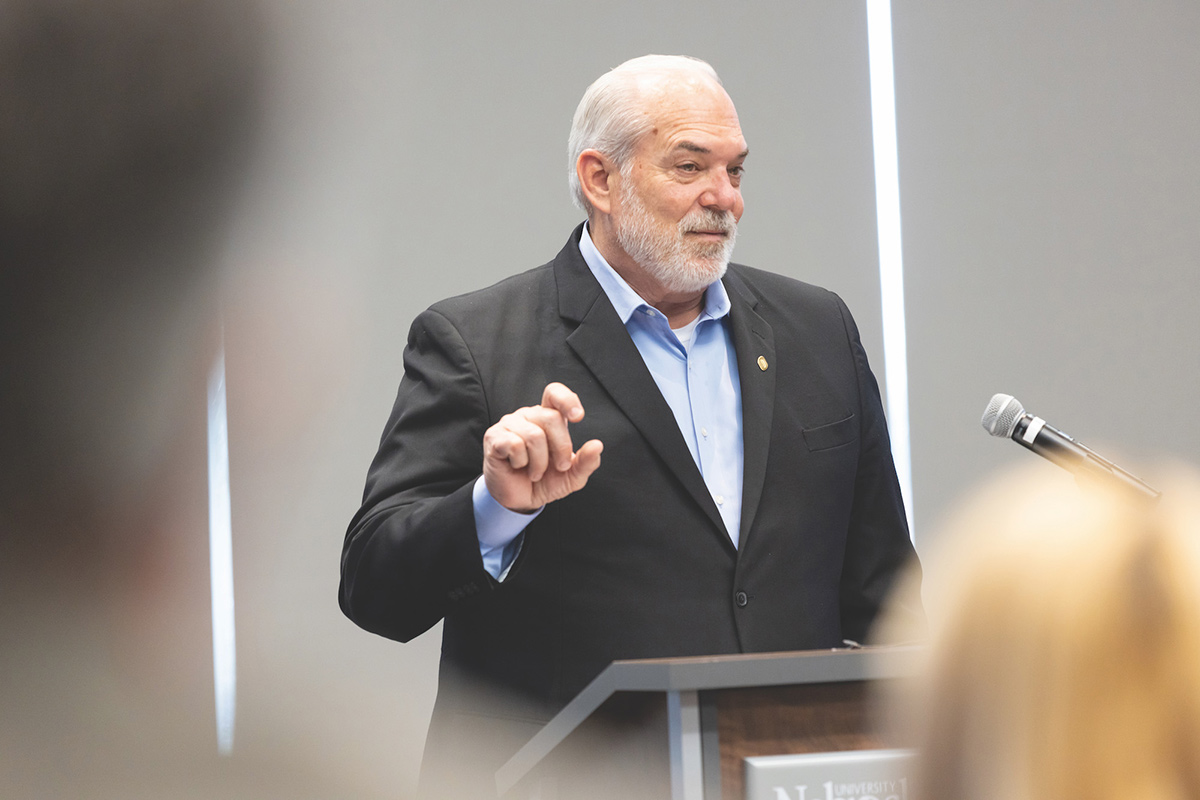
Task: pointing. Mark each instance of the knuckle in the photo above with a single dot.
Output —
(541, 416)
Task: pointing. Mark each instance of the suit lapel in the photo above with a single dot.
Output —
(602, 343)
(753, 339)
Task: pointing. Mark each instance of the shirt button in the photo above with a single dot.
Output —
(741, 598)
(704, 432)
(720, 499)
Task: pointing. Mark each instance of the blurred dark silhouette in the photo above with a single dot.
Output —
(126, 127)
(123, 128)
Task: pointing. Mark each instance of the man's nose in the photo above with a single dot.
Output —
(721, 194)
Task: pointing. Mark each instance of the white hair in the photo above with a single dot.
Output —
(613, 114)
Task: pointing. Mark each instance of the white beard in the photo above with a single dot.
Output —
(678, 265)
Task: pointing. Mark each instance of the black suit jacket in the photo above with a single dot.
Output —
(638, 563)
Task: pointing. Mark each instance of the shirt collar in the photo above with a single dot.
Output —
(625, 300)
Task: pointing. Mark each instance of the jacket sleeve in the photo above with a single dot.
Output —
(878, 546)
(411, 552)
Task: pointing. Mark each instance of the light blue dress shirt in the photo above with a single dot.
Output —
(695, 368)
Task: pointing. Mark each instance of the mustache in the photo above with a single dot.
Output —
(706, 219)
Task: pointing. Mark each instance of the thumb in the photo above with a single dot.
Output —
(585, 462)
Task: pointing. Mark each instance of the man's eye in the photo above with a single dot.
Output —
(737, 172)
(688, 167)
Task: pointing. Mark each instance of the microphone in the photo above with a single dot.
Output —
(1005, 417)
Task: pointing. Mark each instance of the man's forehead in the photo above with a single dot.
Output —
(696, 134)
(693, 147)
(690, 113)
(660, 91)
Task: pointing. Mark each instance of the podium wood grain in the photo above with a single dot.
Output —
(815, 718)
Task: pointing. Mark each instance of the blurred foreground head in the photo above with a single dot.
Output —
(123, 125)
(1066, 653)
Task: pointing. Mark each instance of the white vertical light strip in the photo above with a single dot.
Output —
(220, 545)
(891, 263)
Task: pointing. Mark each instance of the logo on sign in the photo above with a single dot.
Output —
(863, 790)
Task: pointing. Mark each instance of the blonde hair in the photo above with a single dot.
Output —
(1066, 655)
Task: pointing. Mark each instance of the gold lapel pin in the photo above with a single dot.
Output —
(762, 363)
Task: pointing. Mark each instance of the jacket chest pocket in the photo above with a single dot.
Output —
(834, 434)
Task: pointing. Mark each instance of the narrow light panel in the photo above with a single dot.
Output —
(220, 545)
(891, 262)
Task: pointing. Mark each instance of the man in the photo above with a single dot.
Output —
(747, 499)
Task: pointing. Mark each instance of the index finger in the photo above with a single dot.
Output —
(562, 400)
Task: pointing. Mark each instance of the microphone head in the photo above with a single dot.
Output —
(1001, 415)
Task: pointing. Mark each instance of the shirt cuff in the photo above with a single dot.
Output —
(498, 529)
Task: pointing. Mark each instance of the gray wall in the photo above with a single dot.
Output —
(1049, 182)
(1050, 179)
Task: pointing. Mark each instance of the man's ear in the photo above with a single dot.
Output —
(596, 178)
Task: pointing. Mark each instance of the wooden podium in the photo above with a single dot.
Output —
(679, 728)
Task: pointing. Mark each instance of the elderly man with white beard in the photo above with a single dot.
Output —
(747, 500)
